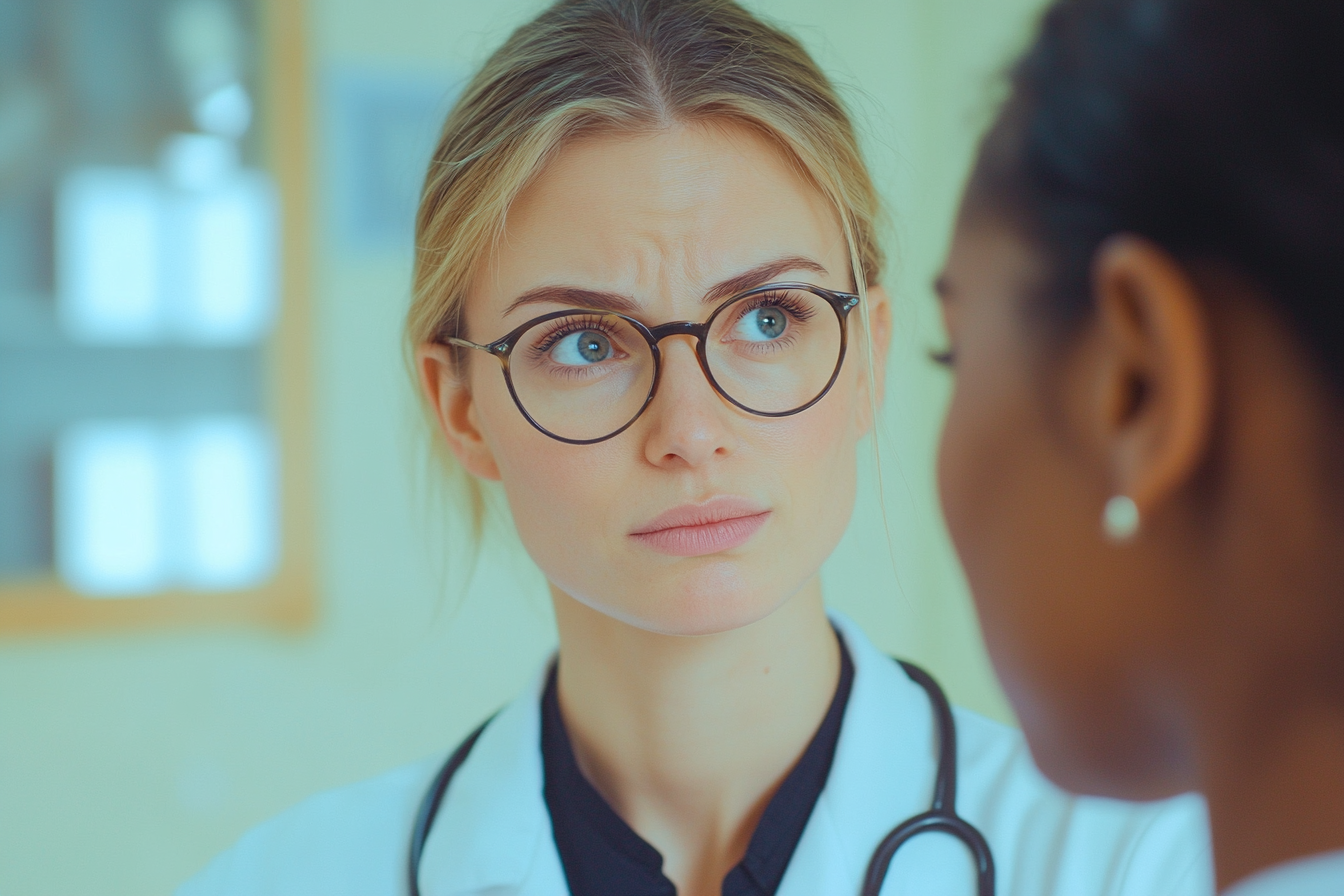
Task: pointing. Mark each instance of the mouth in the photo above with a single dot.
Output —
(695, 530)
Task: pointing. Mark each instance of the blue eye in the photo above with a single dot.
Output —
(763, 324)
(581, 349)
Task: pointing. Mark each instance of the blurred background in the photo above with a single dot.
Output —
(229, 577)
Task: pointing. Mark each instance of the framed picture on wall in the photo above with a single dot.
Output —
(155, 386)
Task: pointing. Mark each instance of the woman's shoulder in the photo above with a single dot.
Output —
(355, 839)
(1140, 848)
(349, 840)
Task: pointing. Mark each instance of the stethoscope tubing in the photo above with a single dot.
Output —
(942, 816)
(429, 805)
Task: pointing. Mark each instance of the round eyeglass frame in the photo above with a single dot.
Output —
(841, 303)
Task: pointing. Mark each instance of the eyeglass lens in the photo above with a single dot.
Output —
(586, 375)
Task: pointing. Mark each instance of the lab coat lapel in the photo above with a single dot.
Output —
(493, 833)
(883, 773)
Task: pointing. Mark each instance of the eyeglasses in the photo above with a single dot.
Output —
(584, 376)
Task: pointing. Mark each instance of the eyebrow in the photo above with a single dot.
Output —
(761, 275)
(599, 300)
(576, 296)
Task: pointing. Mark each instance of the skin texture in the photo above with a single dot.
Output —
(1207, 652)
(690, 685)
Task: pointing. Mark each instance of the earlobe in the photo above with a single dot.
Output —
(1155, 401)
(450, 399)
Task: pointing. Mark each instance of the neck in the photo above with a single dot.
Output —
(688, 737)
(1276, 793)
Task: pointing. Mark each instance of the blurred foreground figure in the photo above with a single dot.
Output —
(1143, 463)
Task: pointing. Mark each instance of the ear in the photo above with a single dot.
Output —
(1154, 402)
(879, 340)
(447, 393)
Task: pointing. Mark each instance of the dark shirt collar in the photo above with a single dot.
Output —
(603, 856)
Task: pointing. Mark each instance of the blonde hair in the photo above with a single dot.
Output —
(593, 66)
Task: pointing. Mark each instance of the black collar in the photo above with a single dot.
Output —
(603, 856)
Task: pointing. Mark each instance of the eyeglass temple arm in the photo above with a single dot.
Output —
(466, 343)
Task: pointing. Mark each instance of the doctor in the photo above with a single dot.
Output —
(646, 303)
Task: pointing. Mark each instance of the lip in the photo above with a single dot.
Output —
(694, 530)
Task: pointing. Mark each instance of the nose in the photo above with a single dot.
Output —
(688, 421)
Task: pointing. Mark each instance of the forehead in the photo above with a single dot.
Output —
(657, 214)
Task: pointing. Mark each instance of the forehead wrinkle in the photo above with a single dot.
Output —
(666, 259)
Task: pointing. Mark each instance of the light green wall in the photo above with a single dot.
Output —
(126, 761)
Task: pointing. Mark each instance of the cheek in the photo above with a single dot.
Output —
(1015, 502)
(560, 495)
(816, 457)
(981, 482)
(1006, 509)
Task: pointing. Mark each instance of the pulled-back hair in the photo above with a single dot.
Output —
(622, 66)
(1213, 127)
(594, 66)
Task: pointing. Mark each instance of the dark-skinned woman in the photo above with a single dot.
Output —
(1143, 463)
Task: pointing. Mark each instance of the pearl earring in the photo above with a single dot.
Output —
(1120, 520)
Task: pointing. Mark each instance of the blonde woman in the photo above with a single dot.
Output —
(646, 303)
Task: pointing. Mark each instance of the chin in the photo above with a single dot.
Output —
(1100, 750)
(707, 600)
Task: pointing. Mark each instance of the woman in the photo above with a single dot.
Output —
(1141, 462)
(643, 250)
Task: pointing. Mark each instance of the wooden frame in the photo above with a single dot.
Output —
(288, 600)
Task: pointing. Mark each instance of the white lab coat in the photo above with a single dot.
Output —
(493, 836)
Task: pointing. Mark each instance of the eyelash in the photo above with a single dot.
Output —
(568, 326)
(795, 309)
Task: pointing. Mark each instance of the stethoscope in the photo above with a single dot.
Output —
(941, 817)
